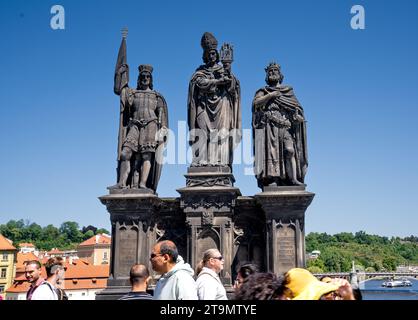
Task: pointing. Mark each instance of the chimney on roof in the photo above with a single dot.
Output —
(97, 238)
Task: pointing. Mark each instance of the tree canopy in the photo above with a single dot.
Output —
(67, 236)
(369, 252)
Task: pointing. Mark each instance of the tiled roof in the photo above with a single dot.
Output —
(26, 244)
(22, 257)
(17, 287)
(23, 286)
(97, 239)
(78, 276)
(6, 244)
(86, 271)
(55, 251)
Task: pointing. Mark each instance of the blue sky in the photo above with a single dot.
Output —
(59, 115)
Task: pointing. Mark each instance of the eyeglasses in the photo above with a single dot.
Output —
(219, 258)
(153, 255)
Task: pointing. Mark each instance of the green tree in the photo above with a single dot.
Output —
(88, 235)
(345, 237)
(102, 230)
(335, 261)
(315, 269)
(32, 232)
(316, 264)
(50, 233)
(389, 263)
(70, 230)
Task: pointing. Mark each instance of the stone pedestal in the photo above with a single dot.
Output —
(133, 219)
(208, 203)
(209, 177)
(284, 209)
(266, 229)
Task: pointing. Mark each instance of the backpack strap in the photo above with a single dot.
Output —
(54, 290)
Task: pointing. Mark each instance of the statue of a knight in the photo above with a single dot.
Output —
(142, 129)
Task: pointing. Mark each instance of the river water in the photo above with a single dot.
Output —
(373, 290)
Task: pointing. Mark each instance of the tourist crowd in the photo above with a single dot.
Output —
(178, 281)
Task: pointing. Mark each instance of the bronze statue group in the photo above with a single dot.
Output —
(214, 119)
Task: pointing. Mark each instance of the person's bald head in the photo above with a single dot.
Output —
(138, 274)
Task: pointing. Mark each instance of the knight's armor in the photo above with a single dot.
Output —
(144, 123)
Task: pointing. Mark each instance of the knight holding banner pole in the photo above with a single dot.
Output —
(143, 127)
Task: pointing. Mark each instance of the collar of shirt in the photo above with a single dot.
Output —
(37, 283)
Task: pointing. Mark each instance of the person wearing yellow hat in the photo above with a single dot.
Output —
(305, 286)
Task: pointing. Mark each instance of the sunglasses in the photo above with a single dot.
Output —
(218, 258)
(153, 255)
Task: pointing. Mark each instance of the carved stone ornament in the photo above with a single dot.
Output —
(207, 217)
(238, 233)
(197, 201)
(209, 182)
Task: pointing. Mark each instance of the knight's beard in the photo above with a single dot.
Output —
(143, 86)
(273, 80)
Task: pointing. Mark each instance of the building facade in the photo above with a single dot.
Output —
(7, 264)
(82, 281)
(95, 250)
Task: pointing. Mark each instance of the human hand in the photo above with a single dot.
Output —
(224, 80)
(345, 291)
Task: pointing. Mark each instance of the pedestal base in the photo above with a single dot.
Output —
(209, 216)
(112, 293)
(209, 177)
(266, 229)
(285, 208)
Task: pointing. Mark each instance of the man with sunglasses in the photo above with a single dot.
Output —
(209, 285)
(176, 281)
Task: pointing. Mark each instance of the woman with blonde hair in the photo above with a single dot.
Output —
(209, 285)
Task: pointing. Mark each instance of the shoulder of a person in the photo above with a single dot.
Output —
(183, 276)
(206, 275)
(207, 280)
(43, 291)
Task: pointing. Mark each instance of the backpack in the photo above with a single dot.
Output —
(61, 294)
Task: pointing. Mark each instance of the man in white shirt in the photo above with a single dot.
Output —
(176, 281)
(209, 285)
(55, 273)
(33, 273)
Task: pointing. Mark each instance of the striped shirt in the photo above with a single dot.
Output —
(140, 295)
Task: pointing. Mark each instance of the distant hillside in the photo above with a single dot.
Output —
(67, 236)
(369, 252)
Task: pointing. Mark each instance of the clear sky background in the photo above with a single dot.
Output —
(59, 115)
